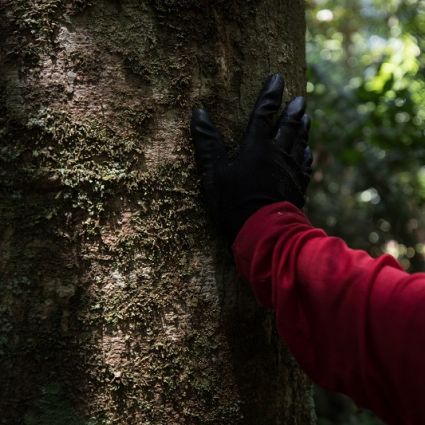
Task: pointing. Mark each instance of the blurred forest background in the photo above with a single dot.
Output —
(366, 94)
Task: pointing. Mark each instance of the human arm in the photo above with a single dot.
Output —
(355, 324)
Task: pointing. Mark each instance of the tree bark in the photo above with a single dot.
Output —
(119, 305)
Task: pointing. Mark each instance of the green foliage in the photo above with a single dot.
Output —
(366, 93)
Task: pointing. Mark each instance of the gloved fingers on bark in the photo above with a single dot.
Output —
(268, 103)
(290, 123)
(209, 147)
(272, 165)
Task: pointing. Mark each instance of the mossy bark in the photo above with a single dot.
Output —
(118, 305)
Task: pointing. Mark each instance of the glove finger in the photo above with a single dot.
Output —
(308, 161)
(308, 158)
(290, 123)
(306, 120)
(268, 103)
(308, 153)
(300, 140)
(209, 147)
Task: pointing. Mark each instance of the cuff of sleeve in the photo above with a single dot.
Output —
(260, 231)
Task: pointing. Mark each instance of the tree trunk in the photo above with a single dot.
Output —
(118, 303)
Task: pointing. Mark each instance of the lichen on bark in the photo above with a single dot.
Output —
(118, 301)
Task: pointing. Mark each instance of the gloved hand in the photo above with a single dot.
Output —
(273, 163)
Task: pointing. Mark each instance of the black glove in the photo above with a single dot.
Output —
(273, 163)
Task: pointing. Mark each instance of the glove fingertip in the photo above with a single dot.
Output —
(275, 81)
(199, 117)
(198, 113)
(306, 120)
(270, 97)
(202, 128)
(207, 140)
(296, 108)
(308, 158)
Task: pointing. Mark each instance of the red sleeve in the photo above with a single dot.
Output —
(355, 324)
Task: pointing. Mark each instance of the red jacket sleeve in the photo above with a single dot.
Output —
(355, 324)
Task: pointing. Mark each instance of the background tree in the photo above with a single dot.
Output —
(117, 306)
